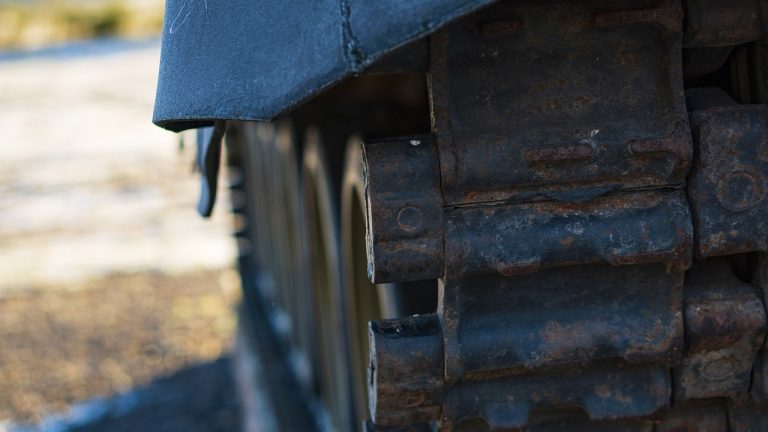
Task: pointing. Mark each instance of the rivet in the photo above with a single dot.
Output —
(719, 369)
(412, 400)
(740, 190)
(409, 219)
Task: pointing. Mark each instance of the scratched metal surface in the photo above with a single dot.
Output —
(566, 233)
(249, 60)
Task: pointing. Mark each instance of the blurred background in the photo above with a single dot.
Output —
(116, 299)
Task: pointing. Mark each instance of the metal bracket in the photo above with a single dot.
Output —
(208, 161)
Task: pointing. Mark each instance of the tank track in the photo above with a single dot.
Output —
(596, 220)
(592, 236)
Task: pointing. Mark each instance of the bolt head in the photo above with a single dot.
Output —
(741, 190)
(719, 369)
(410, 219)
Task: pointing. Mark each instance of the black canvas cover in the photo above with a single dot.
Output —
(254, 59)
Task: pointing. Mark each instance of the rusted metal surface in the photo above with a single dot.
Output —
(407, 234)
(630, 313)
(486, 358)
(759, 388)
(725, 326)
(701, 416)
(629, 324)
(541, 111)
(606, 391)
(728, 186)
(524, 238)
(577, 421)
(406, 372)
(747, 417)
(716, 23)
(566, 233)
(404, 209)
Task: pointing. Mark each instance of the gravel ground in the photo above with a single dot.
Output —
(115, 333)
(108, 279)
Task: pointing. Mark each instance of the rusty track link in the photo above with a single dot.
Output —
(599, 248)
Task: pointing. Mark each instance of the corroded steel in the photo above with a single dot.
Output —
(405, 214)
(577, 422)
(640, 324)
(706, 416)
(512, 239)
(407, 234)
(406, 385)
(562, 227)
(630, 313)
(717, 23)
(747, 417)
(541, 111)
(570, 190)
(759, 388)
(728, 186)
(607, 391)
(725, 323)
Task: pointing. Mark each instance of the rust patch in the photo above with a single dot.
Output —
(668, 15)
(558, 154)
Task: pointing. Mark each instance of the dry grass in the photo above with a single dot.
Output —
(33, 24)
(60, 346)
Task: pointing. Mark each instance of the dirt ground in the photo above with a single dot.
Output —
(108, 278)
(108, 336)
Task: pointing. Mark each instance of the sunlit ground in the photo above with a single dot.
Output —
(108, 278)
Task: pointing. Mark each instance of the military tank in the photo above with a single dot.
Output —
(493, 215)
